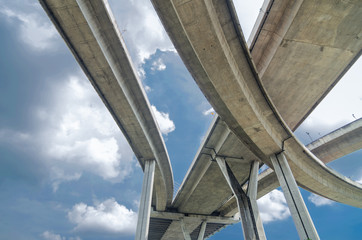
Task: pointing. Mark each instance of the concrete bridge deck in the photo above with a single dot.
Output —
(209, 40)
(98, 46)
(304, 47)
(199, 203)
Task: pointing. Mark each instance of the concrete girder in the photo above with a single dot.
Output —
(304, 47)
(251, 192)
(207, 36)
(251, 228)
(338, 143)
(298, 210)
(176, 216)
(91, 34)
(184, 230)
(145, 202)
(204, 173)
(192, 223)
(202, 231)
(185, 192)
(330, 147)
(187, 235)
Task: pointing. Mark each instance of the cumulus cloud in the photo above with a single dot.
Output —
(82, 136)
(319, 201)
(33, 30)
(147, 88)
(273, 207)
(105, 217)
(51, 236)
(76, 134)
(209, 111)
(141, 28)
(158, 65)
(164, 122)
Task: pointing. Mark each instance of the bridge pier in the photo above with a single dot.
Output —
(249, 213)
(144, 211)
(202, 231)
(252, 194)
(299, 211)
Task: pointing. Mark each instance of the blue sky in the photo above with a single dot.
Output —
(67, 172)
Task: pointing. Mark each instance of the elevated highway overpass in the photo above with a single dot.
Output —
(297, 62)
(90, 31)
(194, 198)
(255, 123)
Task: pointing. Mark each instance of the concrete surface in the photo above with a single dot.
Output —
(304, 47)
(302, 220)
(96, 43)
(207, 37)
(289, 49)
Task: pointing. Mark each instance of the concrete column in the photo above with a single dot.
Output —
(247, 217)
(299, 211)
(144, 211)
(202, 231)
(184, 231)
(252, 193)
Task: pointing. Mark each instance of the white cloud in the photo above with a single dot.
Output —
(84, 137)
(58, 176)
(33, 30)
(164, 122)
(209, 111)
(51, 236)
(104, 217)
(273, 207)
(141, 28)
(147, 88)
(98, 155)
(319, 201)
(76, 134)
(158, 65)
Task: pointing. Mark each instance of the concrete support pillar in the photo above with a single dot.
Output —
(245, 208)
(202, 231)
(299, 211)
(184, 231)
(144, 211)
(252, 193)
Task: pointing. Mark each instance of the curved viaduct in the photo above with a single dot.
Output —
(89, 29)
(297, 61)
(208, 37)
(256, 117)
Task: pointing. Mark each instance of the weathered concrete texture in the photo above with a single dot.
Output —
(303, 49)
(338, 143)
(207, 37)
(195, 195)
(145, 202)
(252, 191)
(249, 214)
(90, 31)
(330, 147)
(298, 210)
(192, 224)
